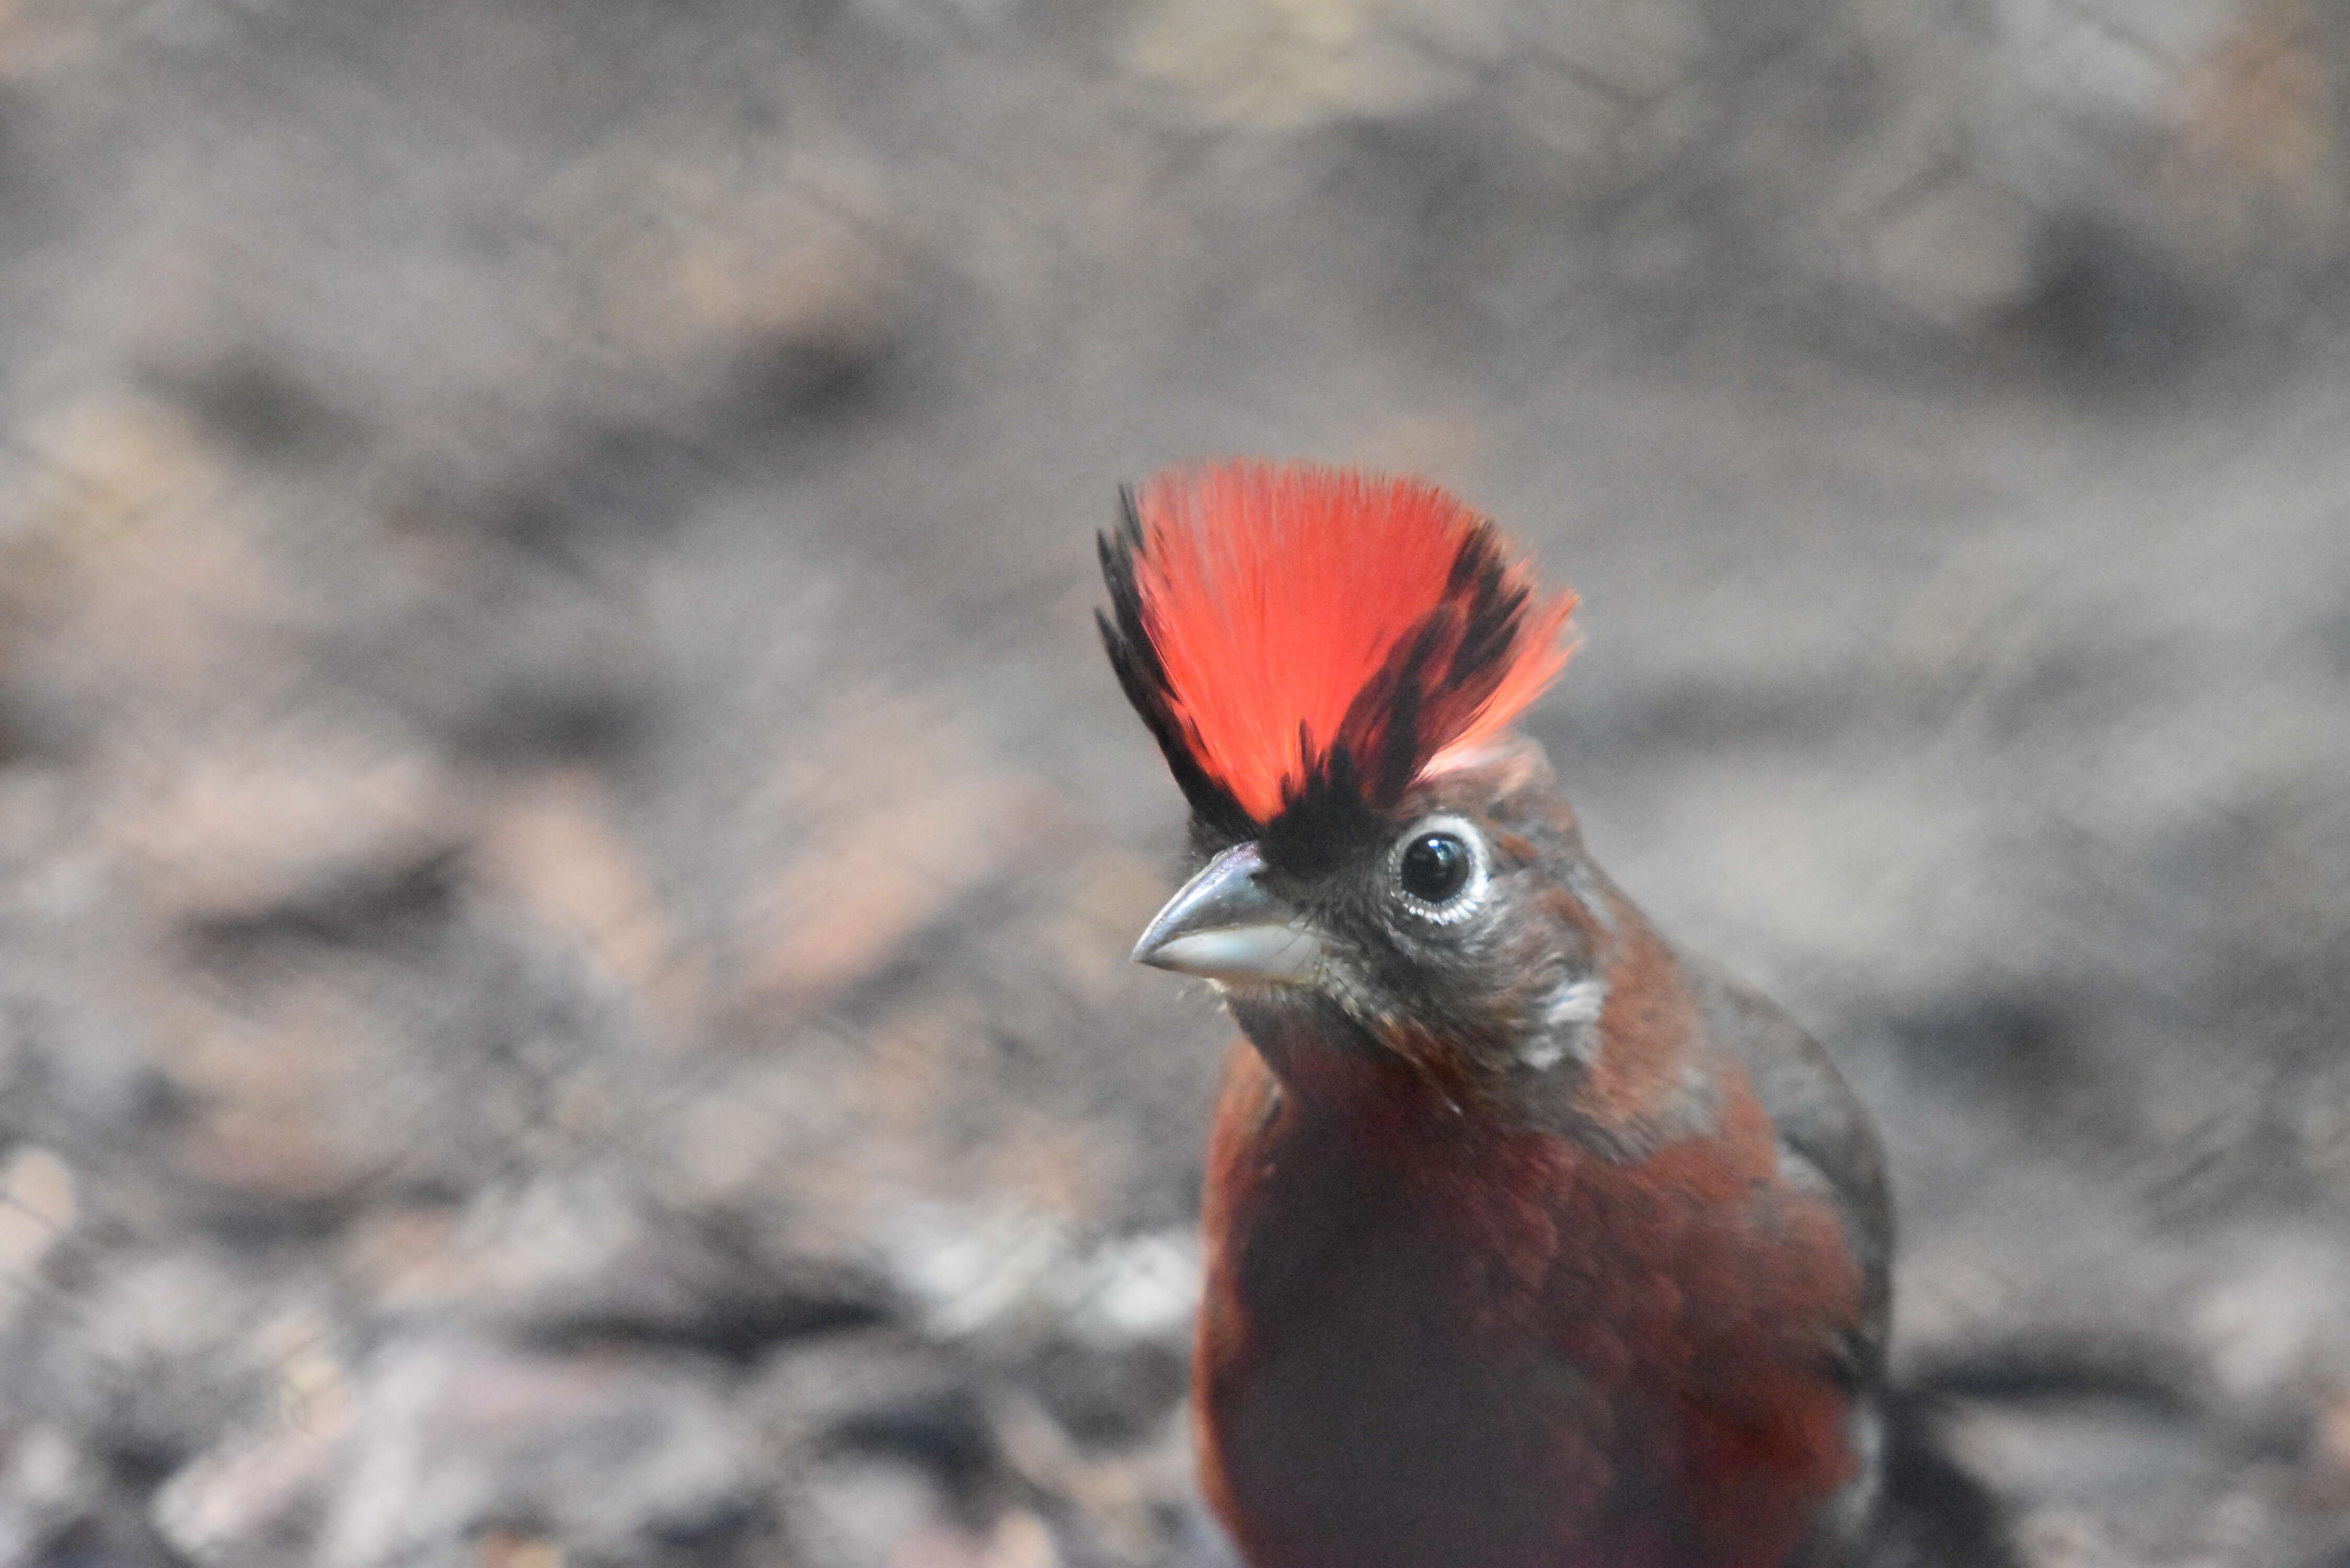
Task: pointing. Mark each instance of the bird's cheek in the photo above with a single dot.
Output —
(1345, 981)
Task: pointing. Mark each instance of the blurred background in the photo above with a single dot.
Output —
(569, 852)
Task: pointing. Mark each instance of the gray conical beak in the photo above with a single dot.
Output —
(1225, 926)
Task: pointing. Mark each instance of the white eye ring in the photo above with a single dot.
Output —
(1469, 897)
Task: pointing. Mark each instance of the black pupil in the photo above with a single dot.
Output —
(1434, 866)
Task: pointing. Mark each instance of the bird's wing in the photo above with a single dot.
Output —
(1824, 1132)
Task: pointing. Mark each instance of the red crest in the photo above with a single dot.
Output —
(1289, 631)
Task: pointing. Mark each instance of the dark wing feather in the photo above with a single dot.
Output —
(1821, 1125)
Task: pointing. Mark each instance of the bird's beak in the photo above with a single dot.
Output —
(1225, 926)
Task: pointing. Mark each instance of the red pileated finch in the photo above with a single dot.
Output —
(1532, 1241)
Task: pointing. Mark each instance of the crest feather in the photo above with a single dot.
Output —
(1294, 632)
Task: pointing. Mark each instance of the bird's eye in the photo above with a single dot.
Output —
(1439, 872)
(1435, 865)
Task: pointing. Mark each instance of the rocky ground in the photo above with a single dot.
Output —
(569, 853)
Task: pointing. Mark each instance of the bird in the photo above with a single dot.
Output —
(1529, 1240)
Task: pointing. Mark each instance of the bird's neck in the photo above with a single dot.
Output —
(1325, 1059)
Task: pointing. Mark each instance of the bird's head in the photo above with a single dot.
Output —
(1331, 663)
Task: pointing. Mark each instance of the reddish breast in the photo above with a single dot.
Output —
(1430, 1341)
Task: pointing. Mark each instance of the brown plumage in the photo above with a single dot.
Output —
(1532, 1241)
